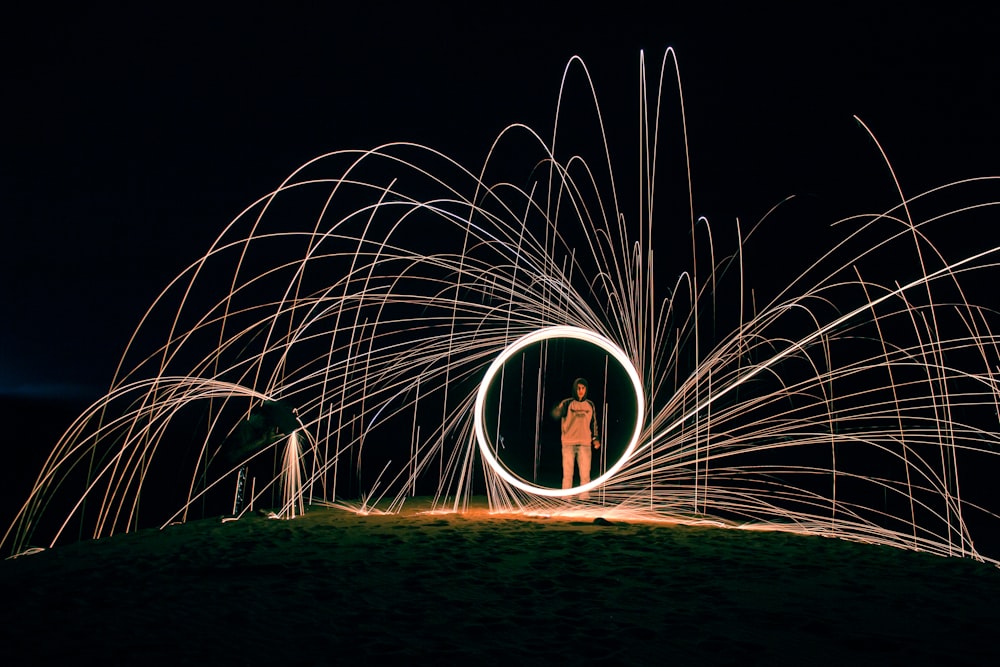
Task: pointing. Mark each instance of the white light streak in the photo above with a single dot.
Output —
(369, 300)
(550, 333)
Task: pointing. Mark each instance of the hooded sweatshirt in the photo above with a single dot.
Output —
(579, 418)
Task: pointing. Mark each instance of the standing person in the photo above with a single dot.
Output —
(579, 433)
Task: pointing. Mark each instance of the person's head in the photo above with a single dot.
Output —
(580, 388)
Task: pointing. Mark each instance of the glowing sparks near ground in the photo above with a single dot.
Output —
(367, 298)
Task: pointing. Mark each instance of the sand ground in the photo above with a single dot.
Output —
(333, 587)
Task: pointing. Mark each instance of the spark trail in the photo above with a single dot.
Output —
(331, 346)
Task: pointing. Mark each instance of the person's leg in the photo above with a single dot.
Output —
(583, 459)
(567, 460)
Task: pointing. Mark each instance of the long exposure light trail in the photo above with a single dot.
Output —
(485, 447)
(340, 343)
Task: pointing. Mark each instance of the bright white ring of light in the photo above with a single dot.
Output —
(535, 337)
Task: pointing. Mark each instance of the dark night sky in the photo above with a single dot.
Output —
(132, 137)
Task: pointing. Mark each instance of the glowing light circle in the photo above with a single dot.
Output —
(561, 331)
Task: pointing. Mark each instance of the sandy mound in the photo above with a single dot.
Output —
(419, 588)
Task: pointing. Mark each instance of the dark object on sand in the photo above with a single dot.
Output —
(268, 422)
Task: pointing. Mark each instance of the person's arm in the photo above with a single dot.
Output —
(595, 434)
(559, 411)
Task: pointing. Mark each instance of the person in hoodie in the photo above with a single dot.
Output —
(580, 437)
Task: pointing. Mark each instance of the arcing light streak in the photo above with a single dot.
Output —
(335, 342)
(549, 333)
(799, 346)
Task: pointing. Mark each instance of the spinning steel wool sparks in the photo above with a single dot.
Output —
(389, 323)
